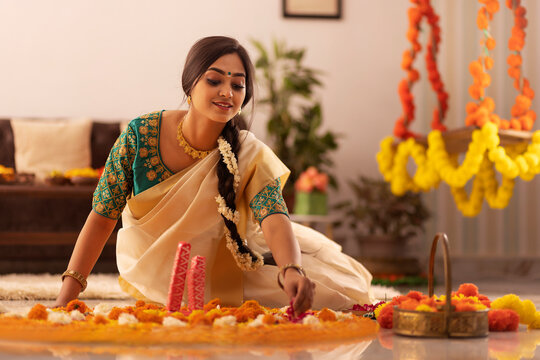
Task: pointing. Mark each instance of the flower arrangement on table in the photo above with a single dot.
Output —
(7, 175)
(77, 176)
(310, 193)
(485, 152)
(505, 313)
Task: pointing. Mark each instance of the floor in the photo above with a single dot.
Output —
(386, 345)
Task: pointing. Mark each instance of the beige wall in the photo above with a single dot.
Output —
(119, 59)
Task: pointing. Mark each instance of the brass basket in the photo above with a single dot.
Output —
(446, 323)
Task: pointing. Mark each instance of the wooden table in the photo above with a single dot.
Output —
(10, 229)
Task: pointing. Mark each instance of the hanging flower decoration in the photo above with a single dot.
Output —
(421, 9)
(482, 111)
(485, 156)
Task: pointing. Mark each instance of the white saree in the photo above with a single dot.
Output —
(183, 209)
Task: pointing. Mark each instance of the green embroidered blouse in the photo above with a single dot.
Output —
(135, 164)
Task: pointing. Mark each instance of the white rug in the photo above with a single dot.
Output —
(47, 286)
(100, 286)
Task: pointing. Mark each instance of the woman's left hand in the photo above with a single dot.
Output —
(300, 289)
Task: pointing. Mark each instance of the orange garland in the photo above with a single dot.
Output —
(421, 9)
(479, 113)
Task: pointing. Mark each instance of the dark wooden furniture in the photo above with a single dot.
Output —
(39, 224)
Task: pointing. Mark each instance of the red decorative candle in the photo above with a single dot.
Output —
(178, 277)
(195, 283)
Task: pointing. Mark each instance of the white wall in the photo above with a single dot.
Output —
(119, 59)
(115, 59)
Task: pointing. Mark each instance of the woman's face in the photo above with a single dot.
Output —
(220, 92)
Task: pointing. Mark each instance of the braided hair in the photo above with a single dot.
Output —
(204, 53)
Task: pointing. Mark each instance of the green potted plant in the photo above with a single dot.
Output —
(383, 223)
(295, 117)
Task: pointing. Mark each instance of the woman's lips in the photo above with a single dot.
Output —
(223, 106)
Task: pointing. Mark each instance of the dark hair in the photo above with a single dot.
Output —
(203, 54)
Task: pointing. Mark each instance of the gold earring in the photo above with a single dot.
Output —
(189, 100)
(239, 112)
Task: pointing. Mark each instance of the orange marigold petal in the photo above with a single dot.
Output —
(326, 315)
(523, 101)
(413, 75)
(488, 62)
(532, 114)
(475, 68)
(38, 312)
(492, 7)
(212, 304)
(528, 92)
(514, 72)
(510, 3)
(77, 305)
(481, 19)
(526, 122)
(520, 22)
(489, 104)
(471, 107)
(494, 118)
(520, 11)
(407, 60)
(490, 43)
(412, 34)
(469, 289)
(515, 124)
(503, 320)
(514, 60)
(476, 91)
(485, 80)
(481, 121)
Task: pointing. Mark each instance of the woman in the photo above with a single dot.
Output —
(192, 176)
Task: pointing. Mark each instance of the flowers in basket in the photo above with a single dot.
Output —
(505, 313)
(310, 193)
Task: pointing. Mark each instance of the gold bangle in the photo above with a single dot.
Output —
(77, 276)
(281, 272)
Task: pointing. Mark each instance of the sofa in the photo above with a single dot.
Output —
(39, 223)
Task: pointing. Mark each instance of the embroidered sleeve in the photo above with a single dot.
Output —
(116, 182)
(269, 201)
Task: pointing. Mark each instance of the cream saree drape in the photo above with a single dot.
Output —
(183, 209)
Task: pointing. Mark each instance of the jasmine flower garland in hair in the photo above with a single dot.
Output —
(230, 160)
(233, 216)
(246, 259)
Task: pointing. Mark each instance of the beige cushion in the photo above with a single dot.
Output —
(44, 145)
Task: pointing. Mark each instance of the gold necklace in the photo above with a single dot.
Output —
(190, 150)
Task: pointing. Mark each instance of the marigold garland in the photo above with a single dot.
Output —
(483, 111)
(421, 9)
(484, 156)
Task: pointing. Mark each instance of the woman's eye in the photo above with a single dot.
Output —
(238, 86)
(212, 82)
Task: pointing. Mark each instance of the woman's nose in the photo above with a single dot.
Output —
(226, 91)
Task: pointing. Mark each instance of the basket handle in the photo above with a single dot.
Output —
(447, 272)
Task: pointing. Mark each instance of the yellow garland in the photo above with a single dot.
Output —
(435, 164)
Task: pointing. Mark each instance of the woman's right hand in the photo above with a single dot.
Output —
(93, 236)
(70, 291)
